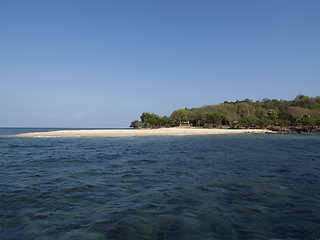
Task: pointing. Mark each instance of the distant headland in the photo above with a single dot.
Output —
(301, 115)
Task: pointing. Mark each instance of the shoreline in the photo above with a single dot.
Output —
(143, 132)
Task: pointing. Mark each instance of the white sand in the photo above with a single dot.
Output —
(141, 132)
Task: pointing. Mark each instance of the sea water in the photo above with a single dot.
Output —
(163, 187)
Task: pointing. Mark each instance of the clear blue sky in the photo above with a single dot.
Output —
(100, 63)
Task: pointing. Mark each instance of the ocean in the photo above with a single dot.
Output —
(160, 187)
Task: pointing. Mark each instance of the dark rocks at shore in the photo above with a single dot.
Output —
(302, 130)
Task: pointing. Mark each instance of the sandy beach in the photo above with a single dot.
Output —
(142, 132)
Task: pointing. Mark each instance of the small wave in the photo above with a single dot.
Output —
(55, 136)
(199, 187)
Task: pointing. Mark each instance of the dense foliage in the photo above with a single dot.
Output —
(301, 112)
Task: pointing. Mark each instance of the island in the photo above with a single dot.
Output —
(301, 115)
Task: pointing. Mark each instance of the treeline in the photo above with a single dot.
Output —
(302, 112)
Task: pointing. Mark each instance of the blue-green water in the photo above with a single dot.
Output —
(168, 187)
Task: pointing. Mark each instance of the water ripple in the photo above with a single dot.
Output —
(186, 187)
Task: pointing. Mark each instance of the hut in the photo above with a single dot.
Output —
(185, 124)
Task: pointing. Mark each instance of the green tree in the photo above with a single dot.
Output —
(179, 116)
(167, 122)
(273, 116)
(305, 120)
(150, 120)
(207, 119)
(136, 124)
(213, 119)
(306, 102)
(304, 111)
(195, 116)
(248, 121)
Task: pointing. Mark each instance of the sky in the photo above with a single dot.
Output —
(101, 63)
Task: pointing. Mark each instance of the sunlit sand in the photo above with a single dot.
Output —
(142, 132)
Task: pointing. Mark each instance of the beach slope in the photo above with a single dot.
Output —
(141, 132)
